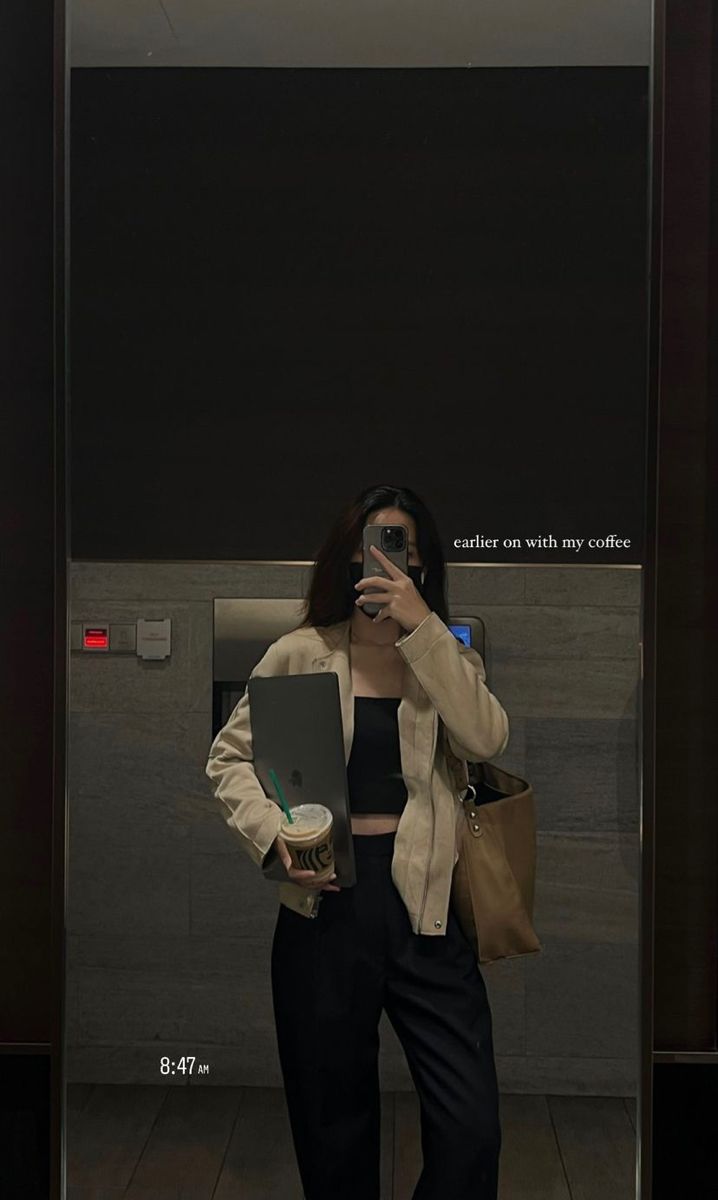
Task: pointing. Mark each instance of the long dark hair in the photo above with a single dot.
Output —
(330, 597)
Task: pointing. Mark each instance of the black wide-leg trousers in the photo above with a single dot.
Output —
(331, 977)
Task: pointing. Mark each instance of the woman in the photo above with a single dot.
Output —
(392, 942)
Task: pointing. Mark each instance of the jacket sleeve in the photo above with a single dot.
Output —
(453, 677)
(252, 815)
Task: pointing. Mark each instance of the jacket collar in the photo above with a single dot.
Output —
(415, 704)
(335, 657)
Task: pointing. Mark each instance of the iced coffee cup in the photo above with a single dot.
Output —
(309, 840)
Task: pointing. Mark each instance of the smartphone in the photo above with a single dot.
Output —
(393, 540)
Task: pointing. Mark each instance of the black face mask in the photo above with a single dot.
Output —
(356, 571)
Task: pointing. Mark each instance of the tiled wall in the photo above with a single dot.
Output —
(169, 924)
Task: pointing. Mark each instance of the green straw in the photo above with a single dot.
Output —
(280, 793)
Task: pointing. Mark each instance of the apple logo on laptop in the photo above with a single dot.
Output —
(296, 778)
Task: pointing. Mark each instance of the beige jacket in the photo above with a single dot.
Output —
(445, 680)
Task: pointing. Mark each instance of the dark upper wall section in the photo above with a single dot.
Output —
(287, 284)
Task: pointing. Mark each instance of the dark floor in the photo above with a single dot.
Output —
(233, 1143)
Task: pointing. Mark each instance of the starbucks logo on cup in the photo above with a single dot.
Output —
(315, 858)
(309, 839)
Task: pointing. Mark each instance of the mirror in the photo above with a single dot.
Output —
(312, 250)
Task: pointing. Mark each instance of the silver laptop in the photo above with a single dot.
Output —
(297, 729)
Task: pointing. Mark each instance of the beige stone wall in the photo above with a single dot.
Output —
(169, 926)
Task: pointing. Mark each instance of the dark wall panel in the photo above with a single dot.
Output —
(287, 284)
(32, 596)
(27, 528)
(682, 622)
(686, 859)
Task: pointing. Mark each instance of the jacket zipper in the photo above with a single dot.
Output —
(433, 825)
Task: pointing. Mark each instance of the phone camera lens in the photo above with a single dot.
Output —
(393, 538)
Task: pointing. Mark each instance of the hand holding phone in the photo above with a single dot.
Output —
(401, 598)
(392, 540)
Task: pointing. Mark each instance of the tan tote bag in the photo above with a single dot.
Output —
(494, 878)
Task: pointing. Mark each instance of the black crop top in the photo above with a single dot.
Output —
(376, 784)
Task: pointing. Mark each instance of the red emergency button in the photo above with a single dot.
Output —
(96, 637)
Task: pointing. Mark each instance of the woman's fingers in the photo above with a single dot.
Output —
(391, 567)
(371, 579)
(377, 595)
(283, 852)
(306, 878)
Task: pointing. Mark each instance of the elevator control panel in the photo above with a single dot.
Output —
(147, 639)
